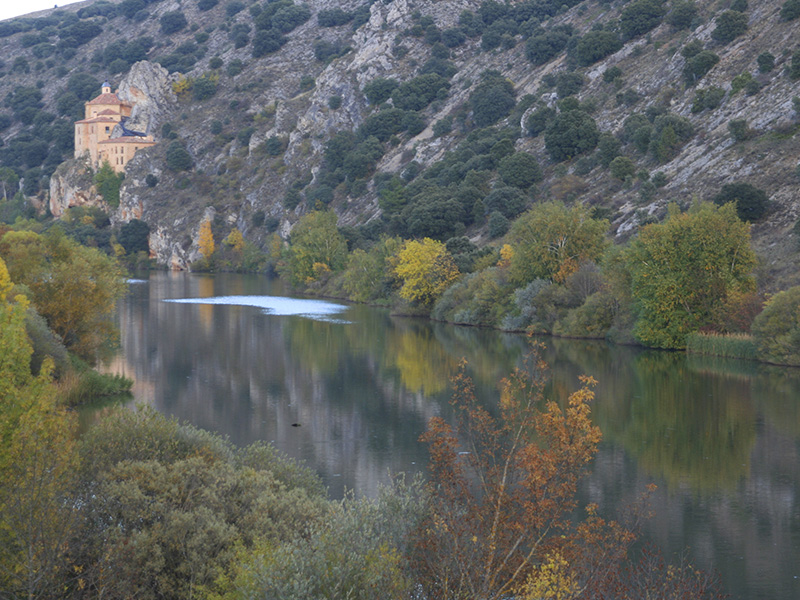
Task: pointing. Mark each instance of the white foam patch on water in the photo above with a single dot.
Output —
(276, 305)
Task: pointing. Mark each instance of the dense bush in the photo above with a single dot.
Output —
(519, 170)
(333, 17)
(539, 119)
(544, 45)
(595, 46)
(379, 90)
(204, 5)
(172, 22)
(288, 17)
(622, 168)
(777, 329)
(670, 132)
(640, 16)
(739, 130)
(751, 202)
(682, 14)
(267, 41)
(133, 236)
(419, 92)
(178, 159)
(568, 84)
(571, 133)
(730, 25)
(707, 98)
(508, 201)
(698, 65)
(492, 99)
(790, 10)
(766, 60)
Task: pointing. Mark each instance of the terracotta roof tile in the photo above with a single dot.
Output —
(106, 99)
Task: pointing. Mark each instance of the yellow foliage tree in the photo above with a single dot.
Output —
(37, 463)
(235, 240)
(74, 287)
(426, 269)
(205, 241)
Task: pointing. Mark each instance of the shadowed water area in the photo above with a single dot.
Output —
(349, 389)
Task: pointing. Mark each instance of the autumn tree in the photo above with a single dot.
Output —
(683, 271)
(205, 240)
(315, 240)
(37, 463)
(426, 269)
(72, 286)
(551, 241)
(503, 489)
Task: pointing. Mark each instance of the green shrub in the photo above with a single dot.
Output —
(659, 179)
(739, 130)
(611, 74)
(794, 67)
(275, 145)
(640, 16)
(234, 67)
(178, 159)
(682, 14)
(419, 92)
(519, 170)
(591, 320)
(204, 5)
(699, 65)
(492, 99)
(707, 98)
(731, 345)
(730, 25)
(379, 90)
(568, 84)
(740, 82)
(751, 202)
(498, 224)
(108, 184)
(766, 60)
(670, 132)
(539, 119)
(334, 102)
(133, 236)
(608, 148)
(571, 133)
(544, 45)
(508, 201)
(333, 17)
(267, 41)
(777, 329)
(622, 168)
(595, 46)
(172, 22)
(790, 10)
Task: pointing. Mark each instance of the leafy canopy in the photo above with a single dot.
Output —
(683, 270)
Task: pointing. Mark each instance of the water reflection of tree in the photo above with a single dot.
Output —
(688, 427)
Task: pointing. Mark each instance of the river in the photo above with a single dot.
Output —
(349, 389)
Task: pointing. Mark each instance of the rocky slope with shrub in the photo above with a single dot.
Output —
(417, 118)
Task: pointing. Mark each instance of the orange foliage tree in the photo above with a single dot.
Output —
(501, 520)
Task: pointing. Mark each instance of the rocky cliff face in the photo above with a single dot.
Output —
(285, 99)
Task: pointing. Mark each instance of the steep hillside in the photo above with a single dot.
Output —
(625, 106)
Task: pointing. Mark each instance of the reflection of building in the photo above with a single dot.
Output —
(93, 133)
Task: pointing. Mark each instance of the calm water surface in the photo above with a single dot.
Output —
(349, 390)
